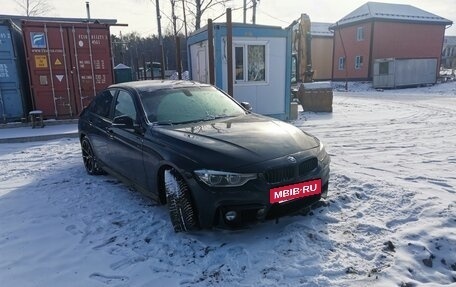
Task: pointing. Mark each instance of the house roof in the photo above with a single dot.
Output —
(391, 12)
(321, 29)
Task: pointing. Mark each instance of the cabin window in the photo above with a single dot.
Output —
(256, 63)
(358, 62)
(383, 68)
(250, 62)
(239, 62)
(342, 63)
(360, 34)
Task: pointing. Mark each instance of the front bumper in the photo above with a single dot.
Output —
(251, 201)
(252, 213)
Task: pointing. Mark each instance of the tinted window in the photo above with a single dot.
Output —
(125, 105)
(102, 103)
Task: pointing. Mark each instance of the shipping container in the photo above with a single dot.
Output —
(396, 73)
(14, 92)
(68, 64)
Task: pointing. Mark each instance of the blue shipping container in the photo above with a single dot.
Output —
(13, 103)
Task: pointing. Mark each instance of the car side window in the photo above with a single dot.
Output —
(125, 105)
(102, 103)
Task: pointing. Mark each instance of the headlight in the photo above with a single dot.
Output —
(224, 179)
(321, 152)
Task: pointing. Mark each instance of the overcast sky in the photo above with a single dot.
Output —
(140, 15)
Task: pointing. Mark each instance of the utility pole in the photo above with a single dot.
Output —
(177, 40)
(229, 52)
(210, 40)
(160, 37)
(245, 11)
(185, 18)
(254, 2)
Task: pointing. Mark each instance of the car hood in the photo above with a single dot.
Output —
(239, 141)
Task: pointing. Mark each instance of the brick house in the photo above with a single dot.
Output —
(380, 30)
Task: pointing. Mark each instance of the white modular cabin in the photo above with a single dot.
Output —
(261, 64)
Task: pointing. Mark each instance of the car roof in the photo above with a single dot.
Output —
(155, 85)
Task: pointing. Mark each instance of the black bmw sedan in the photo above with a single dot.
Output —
(208, 157)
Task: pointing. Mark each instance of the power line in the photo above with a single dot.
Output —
(232, 9)
(270, 16)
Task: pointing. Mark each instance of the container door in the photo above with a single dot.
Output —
(200, 63)
(91, 62)
(201, 66)
(383, 74)
(48, 59)
(11, 106)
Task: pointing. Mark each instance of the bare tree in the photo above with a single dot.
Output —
(34, 7)
(198, 7)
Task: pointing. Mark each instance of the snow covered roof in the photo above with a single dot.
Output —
(391, 12)
(321, 29)
(121, 67)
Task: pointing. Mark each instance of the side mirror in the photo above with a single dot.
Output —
(246, 106)
(123, 121)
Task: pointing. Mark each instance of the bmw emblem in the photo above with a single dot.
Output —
(291, 159)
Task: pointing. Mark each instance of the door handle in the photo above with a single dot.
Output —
(110, 133)
(139, 142)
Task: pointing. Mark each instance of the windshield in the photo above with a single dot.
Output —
(185, 105)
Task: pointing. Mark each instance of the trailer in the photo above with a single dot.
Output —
(397, 73)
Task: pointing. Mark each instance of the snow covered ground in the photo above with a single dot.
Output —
(390, 219)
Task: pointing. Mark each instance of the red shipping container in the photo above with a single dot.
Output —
(68, 64)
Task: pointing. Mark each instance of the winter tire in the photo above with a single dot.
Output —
(90, 162)
(181, 211)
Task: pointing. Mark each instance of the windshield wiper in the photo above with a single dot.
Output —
(208, 118)
(190, 121)
(163, 123)
(224, 117)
